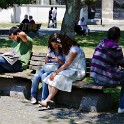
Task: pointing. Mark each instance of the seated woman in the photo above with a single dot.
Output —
(55, 56)
(73, 69)
(31, 21)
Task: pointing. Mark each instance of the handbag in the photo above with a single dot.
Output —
(48, 67)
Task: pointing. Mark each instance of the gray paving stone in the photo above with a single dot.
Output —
(20, 111)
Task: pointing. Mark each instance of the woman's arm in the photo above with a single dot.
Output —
(47, 59)
(71, 57)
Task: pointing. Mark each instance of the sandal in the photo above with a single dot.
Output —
(41, 105)
(51, 104)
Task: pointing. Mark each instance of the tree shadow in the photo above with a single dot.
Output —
(5, 43)
(76, 117)
(94, 38)
(90, 41)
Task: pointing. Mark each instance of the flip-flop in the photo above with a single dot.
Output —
(40, 104)
(51, 104)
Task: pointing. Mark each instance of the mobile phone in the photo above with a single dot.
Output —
(49, 57)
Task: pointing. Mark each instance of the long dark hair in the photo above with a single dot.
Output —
(54, 38)
(64, 40)
(67, 43)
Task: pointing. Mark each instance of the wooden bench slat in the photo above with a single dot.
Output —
(88, 69)
(37, 63)
(87, 74)
(39, 54)
(31, 27)
(35, 67)
(41, 58)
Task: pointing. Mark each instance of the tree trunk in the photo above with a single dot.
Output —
(71, 16)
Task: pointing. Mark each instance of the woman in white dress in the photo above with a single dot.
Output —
(73, 69)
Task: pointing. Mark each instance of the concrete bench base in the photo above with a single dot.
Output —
(85, 100)
(96, 103)
(15, 87)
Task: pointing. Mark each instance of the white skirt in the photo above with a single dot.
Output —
(61, 82)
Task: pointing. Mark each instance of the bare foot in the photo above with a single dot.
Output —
(43, 103)
(51, 104)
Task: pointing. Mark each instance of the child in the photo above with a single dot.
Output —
(54, 55)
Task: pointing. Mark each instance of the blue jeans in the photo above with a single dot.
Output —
(6, 67)
(35, 82)
(121, 102)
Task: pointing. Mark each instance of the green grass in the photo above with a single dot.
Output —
(5, 25)
(88, 44)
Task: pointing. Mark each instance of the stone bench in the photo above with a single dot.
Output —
(85, 96)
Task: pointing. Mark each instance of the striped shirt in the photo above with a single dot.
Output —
(106, 62)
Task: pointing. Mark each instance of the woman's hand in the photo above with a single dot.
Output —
(55, 59)
(52, 76)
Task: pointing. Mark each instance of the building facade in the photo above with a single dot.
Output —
(105, 12)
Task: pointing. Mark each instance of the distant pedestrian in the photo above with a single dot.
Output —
(54, 15)
(50, 18)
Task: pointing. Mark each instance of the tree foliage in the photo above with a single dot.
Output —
(10, 3)
(91, 2)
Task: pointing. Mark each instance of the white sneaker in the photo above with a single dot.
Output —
(120, 110)
(33, 100)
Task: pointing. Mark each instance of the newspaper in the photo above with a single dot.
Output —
(11, 56)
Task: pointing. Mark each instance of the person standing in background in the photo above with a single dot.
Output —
(54, 14)
(50, 18)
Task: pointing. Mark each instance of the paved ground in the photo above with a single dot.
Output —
(93, 28)
(20, 111)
